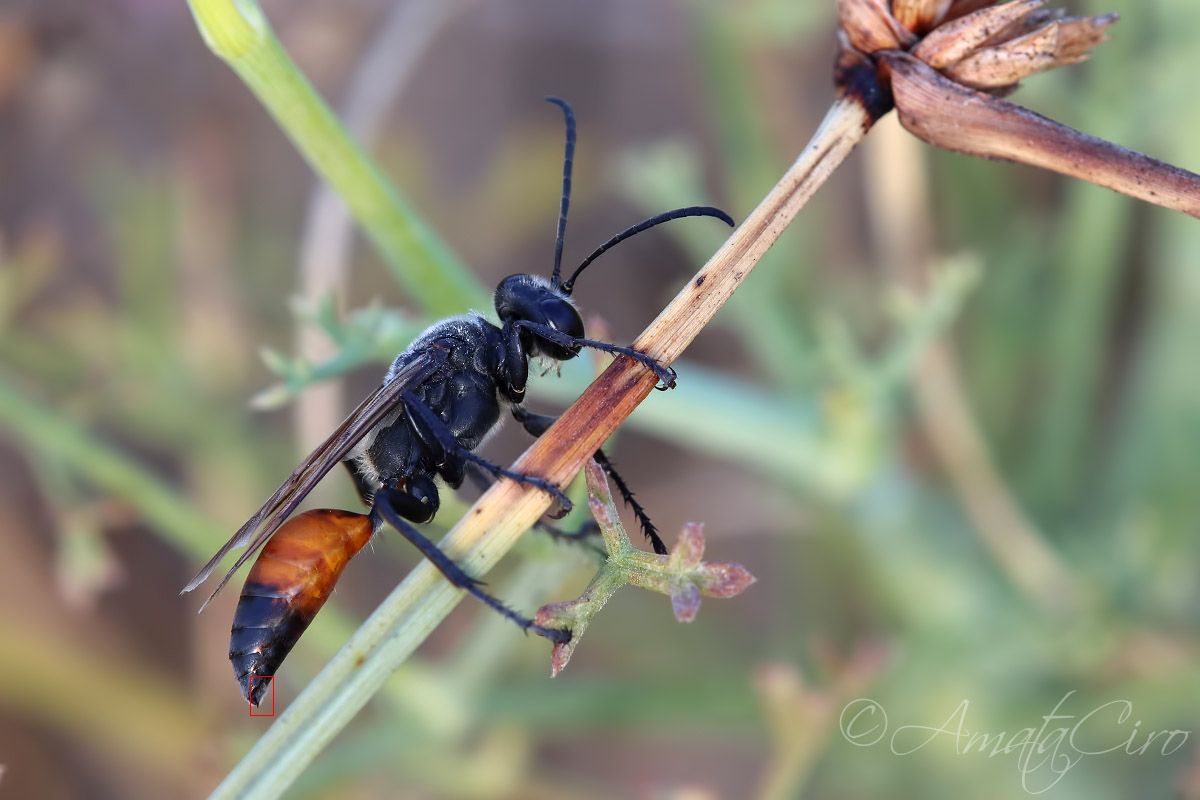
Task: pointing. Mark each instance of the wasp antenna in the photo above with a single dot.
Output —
(568, 162)
(666, 216)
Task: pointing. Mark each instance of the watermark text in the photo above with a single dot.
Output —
(1044, 753)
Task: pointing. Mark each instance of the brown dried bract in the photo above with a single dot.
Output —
(954, 117)
(869, 26)
(978, 44)
(1061, 42)
(956, 40)
(920, 16)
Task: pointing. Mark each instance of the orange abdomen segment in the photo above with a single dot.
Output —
(289, 582)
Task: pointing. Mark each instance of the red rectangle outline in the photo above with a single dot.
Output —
(270, 678)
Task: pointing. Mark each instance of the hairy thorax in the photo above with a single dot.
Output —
(463, 393)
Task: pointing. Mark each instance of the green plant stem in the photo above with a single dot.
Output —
(238, 32)
(682, 575)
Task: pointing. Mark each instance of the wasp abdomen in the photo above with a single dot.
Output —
(289, 582)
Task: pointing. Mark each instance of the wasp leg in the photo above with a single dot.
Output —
(537, 424)
(581, 535)
(441, 442)
(394, 506)
(638, 509)
(361, 484)
(666, 375)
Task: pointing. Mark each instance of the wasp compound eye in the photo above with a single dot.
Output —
(562, 316)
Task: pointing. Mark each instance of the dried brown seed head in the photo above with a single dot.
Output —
(944, 67)
(956, 40)
(1061, 42)
(920, 16)
(978, 43)
(869, 26)
(960, 8)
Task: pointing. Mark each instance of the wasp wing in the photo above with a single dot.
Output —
(291, 493)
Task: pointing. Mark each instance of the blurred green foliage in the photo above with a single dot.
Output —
(1074, 314)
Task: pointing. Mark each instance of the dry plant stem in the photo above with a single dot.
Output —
(996, 517)
(900, 213)
(507, 510)
(953, 117)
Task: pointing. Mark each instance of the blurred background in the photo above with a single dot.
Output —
(950, 423)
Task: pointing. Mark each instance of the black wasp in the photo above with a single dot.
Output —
(438, 401)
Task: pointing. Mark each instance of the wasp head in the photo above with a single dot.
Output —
(533, 299)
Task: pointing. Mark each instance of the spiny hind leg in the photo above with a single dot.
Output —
(396, 507)
(537, 424)
(587, 531)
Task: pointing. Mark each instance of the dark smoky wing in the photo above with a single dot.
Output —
(292, 492)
